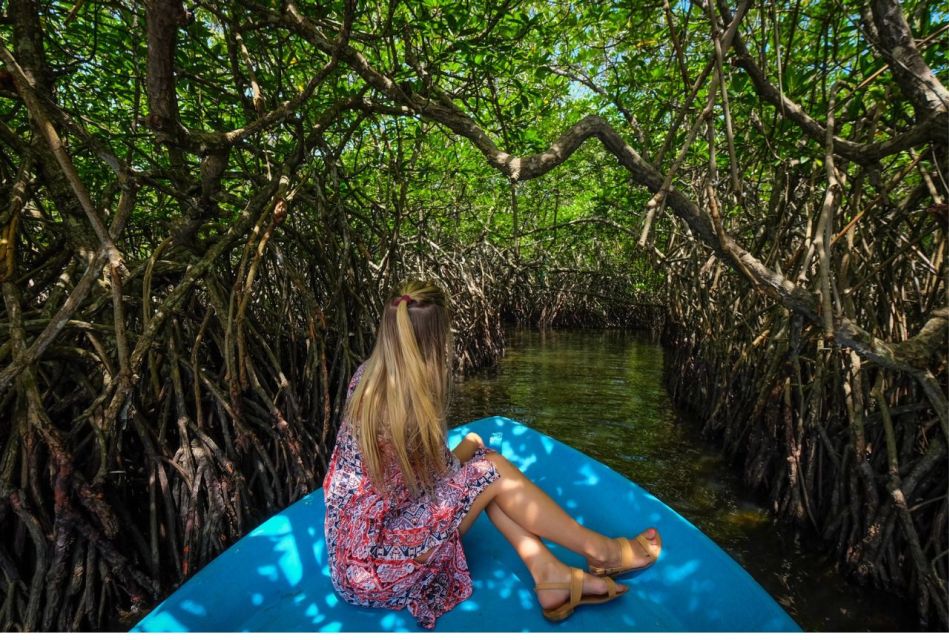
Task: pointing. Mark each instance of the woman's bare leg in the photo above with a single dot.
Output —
(540, 562)
(534, 511)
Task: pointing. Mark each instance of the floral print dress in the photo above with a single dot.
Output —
(374, 540)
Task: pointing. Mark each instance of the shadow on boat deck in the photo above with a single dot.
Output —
(277, 577)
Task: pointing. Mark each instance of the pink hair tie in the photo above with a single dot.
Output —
(408, 300)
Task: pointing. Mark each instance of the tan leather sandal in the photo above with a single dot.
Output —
(577, 598)
(629, 557)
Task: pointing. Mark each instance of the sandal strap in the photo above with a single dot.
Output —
(610, 587)
(644, 543)
(629, 556)
(542, 586)
(575, 586)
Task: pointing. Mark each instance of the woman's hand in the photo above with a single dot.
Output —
(468, 445)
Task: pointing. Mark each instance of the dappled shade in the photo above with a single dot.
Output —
(277, 578)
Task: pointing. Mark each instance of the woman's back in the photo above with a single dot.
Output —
(390, 543)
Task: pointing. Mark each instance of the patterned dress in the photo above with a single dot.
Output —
(373, 540)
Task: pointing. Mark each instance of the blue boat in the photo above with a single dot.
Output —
(276, 578)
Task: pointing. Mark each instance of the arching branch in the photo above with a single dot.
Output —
(439, 108)
(930, 128)
(914, 77)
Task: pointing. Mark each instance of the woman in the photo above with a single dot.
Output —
(398, 501)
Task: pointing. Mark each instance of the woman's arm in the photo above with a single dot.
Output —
(466, 448)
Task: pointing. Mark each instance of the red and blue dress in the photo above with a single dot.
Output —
(373, 539)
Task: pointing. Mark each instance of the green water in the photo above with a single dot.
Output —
(602, 393)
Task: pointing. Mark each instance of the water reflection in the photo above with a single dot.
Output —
(602, 392)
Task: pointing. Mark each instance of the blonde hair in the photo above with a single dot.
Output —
(403, 393)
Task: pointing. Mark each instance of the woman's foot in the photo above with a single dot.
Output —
(627, 554)
(559, 572)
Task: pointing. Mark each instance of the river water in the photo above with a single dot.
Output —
(601, 392)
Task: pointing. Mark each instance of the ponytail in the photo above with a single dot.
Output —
(403, 394)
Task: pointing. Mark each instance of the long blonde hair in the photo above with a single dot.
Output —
(403, 393)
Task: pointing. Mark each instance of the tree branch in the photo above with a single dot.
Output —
(27, 92)
(931, 128)
(914, 77)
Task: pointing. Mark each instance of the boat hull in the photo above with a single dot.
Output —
(276, 578)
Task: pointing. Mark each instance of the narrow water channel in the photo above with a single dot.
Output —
(602, 393)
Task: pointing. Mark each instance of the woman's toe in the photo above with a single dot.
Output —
(653, 540)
